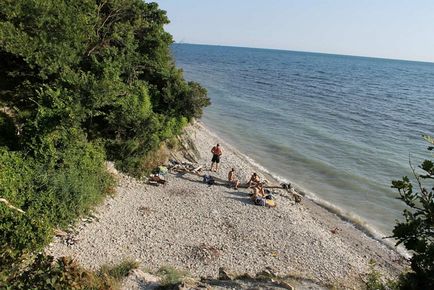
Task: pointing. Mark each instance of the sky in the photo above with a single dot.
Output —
(398, 29)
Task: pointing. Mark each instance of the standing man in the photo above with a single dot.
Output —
(216, 153)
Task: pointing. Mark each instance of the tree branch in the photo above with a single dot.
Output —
(9, 205)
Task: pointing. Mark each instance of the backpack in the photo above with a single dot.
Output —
(208, 179)
(260, 201)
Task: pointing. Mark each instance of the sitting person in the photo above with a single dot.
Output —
(260, 197)
(264, 202)
(258, 191)
(232, 179)
(254, 180)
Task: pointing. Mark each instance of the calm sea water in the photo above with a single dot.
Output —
(339, 127)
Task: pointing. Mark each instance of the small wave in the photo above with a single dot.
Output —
(263, 83)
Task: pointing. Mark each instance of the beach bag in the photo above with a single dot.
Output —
(260, 201)
(208, 179)
(162, 170)
(269, 196)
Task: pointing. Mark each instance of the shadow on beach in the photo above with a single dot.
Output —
(218, 181)
(240, 196)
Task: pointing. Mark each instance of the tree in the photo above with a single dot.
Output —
(416, 233)
(80, 81)
(103, 67)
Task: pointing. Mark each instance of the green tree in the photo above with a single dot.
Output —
(80, 81)
(101, 66)
(416, 233)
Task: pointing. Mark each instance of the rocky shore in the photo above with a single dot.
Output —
(190, 225)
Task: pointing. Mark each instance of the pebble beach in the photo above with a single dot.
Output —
(198, 228)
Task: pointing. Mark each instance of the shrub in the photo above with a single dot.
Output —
(85, 80)
(417, 231)
(375, 280)
(170, 276)
(120, 270)
(45, 272)
(53, 188)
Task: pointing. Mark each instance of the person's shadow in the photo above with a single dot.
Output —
(240, 196)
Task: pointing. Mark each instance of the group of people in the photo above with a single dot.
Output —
(258, 195)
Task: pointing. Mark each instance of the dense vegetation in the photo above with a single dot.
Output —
(80, 82)
(416, 233)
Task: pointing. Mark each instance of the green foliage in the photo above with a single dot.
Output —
(45, 272)
(58, 186)
(374, 280)
(416, 233)
(103, 67)
(119, 271)
(170, 276)
(80, 81)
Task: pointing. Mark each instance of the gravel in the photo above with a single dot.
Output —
(199, 228)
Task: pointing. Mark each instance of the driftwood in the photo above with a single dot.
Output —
(156, 178)
(9, 205)
(187, 168)
(197, 169)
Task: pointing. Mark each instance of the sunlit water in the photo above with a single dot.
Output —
(338, 127)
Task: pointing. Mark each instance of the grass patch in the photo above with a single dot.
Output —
(119, 271)
(45, 272)
(375, 281)
(170, 276)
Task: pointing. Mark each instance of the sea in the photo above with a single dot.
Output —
(339, 128)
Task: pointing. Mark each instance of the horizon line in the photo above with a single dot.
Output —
(306, 51)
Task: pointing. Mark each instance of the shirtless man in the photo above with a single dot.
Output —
(254, 180)
(216, 153)
(232, 179)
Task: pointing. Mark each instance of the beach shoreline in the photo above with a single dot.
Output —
(357, 221)
(180, 223)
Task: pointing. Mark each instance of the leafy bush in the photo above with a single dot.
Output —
(375, 282)
(103, 67)
(120, 270)
(79, 81)
(417, 231)
(52, 193)
(170, 276)
(45, 272)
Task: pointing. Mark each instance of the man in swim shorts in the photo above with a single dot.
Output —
(254, 180)
(216, 153)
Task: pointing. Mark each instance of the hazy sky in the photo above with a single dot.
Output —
(402, 29)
